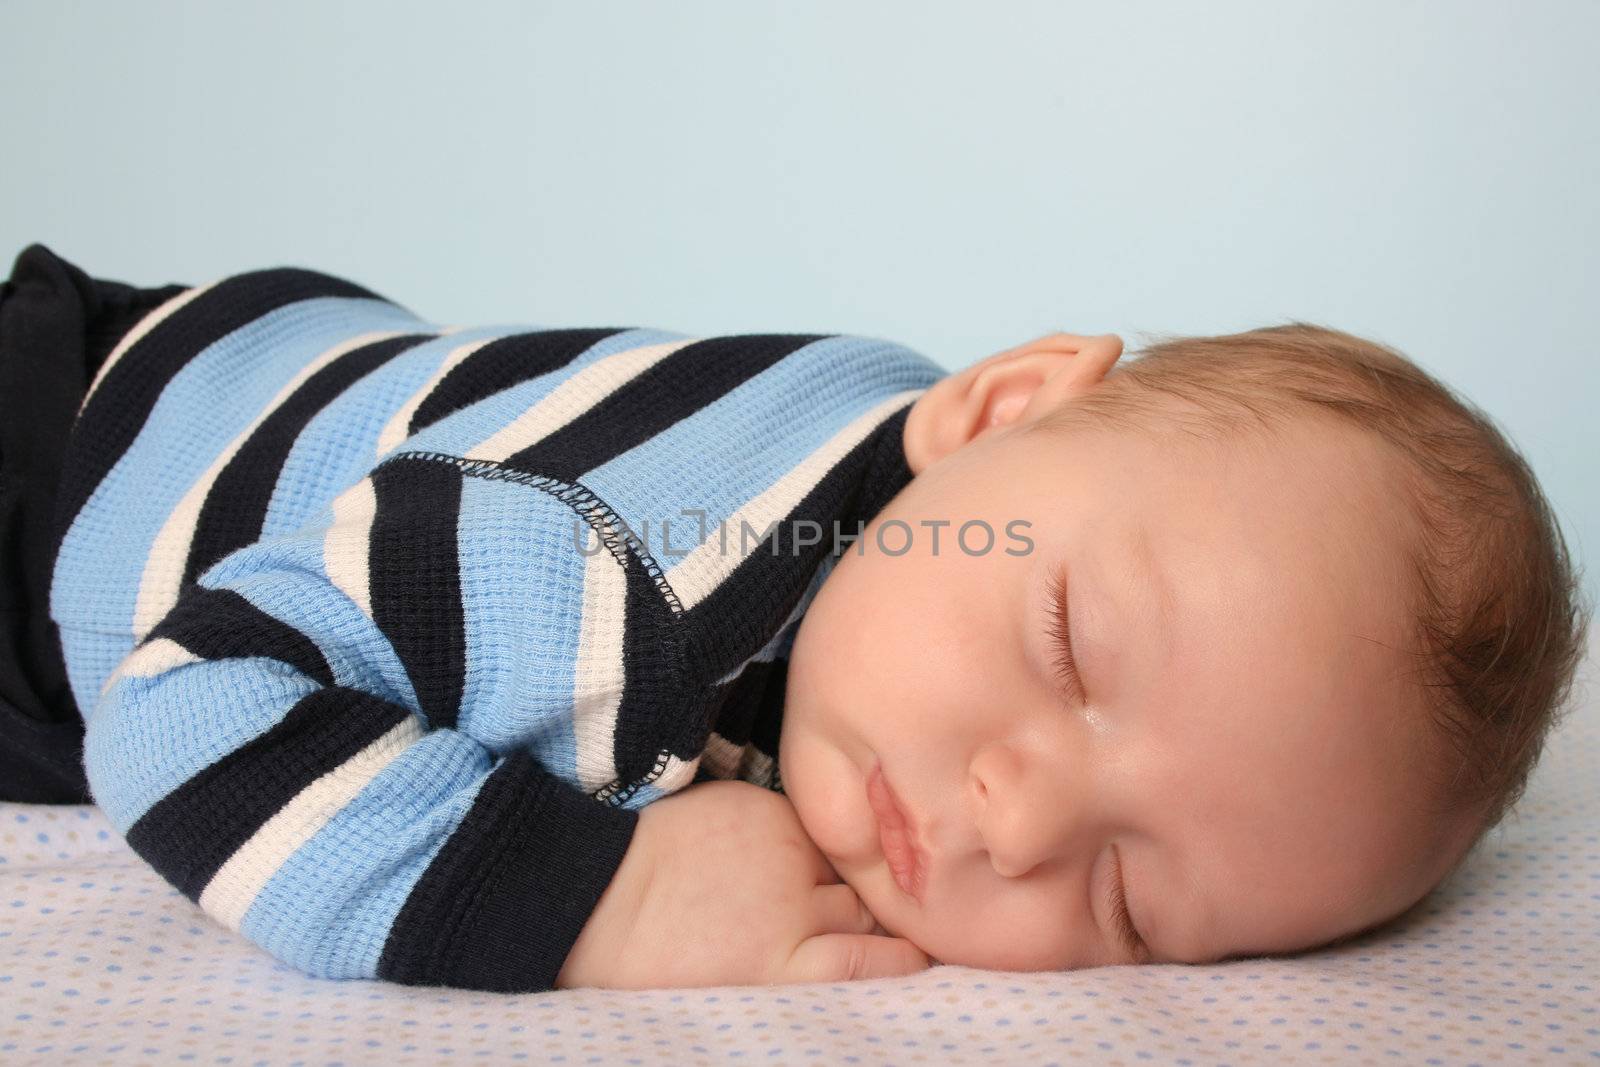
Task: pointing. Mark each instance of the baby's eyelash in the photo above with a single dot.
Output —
(1061, 637)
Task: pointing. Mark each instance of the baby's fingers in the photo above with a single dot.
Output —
(846, 957)
(839, 910)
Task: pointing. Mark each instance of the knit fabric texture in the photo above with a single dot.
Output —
(385, 631)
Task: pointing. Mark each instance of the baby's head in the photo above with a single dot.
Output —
(1315, 621)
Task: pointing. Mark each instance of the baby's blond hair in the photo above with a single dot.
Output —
(1495, 602)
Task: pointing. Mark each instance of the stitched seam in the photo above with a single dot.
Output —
(580, 498)
(616, 793)
(619, 541)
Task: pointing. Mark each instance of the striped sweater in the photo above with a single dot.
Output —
(381, 637)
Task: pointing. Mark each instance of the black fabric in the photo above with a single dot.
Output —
(658, 397)
(501, 364)
(57, 325)
(224, 624)
(508, 893)
(750, 706)
(414, 580)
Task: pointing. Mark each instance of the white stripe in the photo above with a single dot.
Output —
(237, 883)
(163, 569)
(597, 676)
(572, 398)
(756, 766)
(347, 546)
(145, 325)
(721, 756)
(397, 429)
(705, 567)
(150, 659)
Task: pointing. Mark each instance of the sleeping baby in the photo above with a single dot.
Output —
(515, 658)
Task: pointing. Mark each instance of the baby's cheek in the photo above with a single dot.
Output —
(820, 781)
(1007, 931)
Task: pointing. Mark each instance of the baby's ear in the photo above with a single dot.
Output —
(1068, 343)
(1092, 357)
(1014, 385)
(1090, 360)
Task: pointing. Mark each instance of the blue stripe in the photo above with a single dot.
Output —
(203, 408)
(460, 431)
(91, 656)
(337, 447)
(523, 623)
(148, 737)
(329, 908)
(820, 388)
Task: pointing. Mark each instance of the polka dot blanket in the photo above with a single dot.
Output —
(101, 962)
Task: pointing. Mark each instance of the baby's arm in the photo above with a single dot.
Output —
(265, 750)
(304, 775)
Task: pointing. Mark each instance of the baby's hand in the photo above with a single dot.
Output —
(721, 886)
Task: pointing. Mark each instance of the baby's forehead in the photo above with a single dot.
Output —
(1261, 479)
(1308, 442)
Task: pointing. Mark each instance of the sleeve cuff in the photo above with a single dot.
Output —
(504, 901)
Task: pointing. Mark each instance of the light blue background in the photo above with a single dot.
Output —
(958, 178)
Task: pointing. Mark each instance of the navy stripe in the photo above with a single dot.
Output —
(501, 364)
(221, 624)
(235, 508)
(505, 898)
(122, 402)
(768, 583)
(768, 723)
(413, 560)
(737, 704)
(190, 833)
(665, 393)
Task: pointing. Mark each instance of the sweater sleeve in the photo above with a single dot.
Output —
(294, 746)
